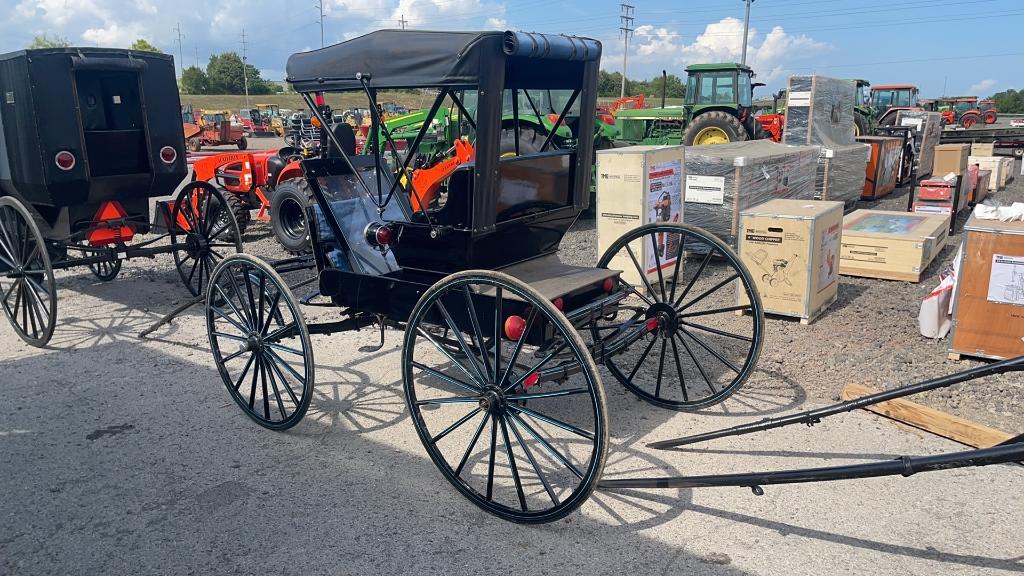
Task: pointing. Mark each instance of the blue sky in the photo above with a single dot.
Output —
(968, 45)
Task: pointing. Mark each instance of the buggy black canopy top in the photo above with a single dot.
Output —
(412, 58)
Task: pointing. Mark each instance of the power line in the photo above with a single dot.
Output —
(402, 21)
(626, 30)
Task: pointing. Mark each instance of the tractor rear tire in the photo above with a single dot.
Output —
(968, 120)
(860, 125)
(288, 215)
(238, 207)
(194, 145)
(243, 143)
(710, 124)
(530, 141)
(989, 116)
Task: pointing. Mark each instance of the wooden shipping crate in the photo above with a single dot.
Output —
(891, 245)
(791, 248)
(981, 189)
(883, 165)
(980, 149)
(988, 304)
(950, 158)
(993, 164)
(636, 186)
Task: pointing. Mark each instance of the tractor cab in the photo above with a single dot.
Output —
(395, 213)
(886, 100)
(864, 114)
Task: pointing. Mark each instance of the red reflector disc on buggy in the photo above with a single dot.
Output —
(65, 160)
(168, 154)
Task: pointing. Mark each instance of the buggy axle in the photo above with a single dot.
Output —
(902, 466)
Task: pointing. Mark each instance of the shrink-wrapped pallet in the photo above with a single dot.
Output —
(724, 179)
(928, 131)
(819, 112)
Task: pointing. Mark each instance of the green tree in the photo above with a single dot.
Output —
(142, 45)
(1010, 101)
(226, 76)
(46, 41)
(195, 81)
(674, 86)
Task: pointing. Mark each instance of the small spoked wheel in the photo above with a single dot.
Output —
(106, 270)
(260, 342)
(204, 231)
(28, 292)
(694, 311)
(519, 427)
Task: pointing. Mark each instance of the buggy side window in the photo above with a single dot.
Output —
(532, 184)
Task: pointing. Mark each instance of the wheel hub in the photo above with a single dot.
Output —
(492, 401)
(196, 245)
(667, 318)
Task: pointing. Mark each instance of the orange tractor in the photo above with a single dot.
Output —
(964, 110)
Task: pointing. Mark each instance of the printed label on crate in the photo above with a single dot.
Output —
(1006, 282)
(828, 267)
(705, 189)
(801, 99)
(665, 195)
(914, 123)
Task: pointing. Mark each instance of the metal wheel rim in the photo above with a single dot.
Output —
(692, 339)
(711, 135)
(293, 219)
(29, 303)
(248, 301)
(211, 222)
(515, 424)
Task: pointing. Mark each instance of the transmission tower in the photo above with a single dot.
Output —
(626, 30)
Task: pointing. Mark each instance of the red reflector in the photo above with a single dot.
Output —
(559, 303)
(320, 99)
(609, 285)
(384, 236)
(514, 327)
(652, 324)
(168, 155)
(531, 380)
(65, 160)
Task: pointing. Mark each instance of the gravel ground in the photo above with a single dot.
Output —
(124, 455)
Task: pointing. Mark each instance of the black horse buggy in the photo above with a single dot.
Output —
(87, 137)
(502, 338)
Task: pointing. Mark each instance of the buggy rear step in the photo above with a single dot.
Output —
(555, 279)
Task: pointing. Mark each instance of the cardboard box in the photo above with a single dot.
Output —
(791, 247)
(988, 303)
(636, 186)
(996, 166)
(891, 245)
(722, 180)
(1006, 170)
(981, 190)
(950, 158)
(883, 165)
(979, 149)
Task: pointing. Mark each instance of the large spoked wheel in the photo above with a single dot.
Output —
(518, 428)
(702, 317)
(206, 231)
(260, 342)
(28, 292)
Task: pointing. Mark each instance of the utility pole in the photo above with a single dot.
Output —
(196, 45)
(746, 31)
(320, 6)
(626, 30)
(402, 21)
(245, 71)
(181, 58)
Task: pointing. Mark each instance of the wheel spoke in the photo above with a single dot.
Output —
(277, 393)
(245, 371)
(713, 352)
(455, 426)
(657, 265)
(679, 262)
(642, 358)
(498, 325)
(238, 292)
(462, 343)
(255, 377)
(285, 349)
(710, 291)
(241, 317)
(448, 400)
(230, 336)
(445, 352)
(469, 449)
(536, 367)
(740, 307)
(512, 464)
(286, 365)
(273, 312)
(490, 460)
(224, 315)
(280, 332)
(700, 368)
(284, 380)
(519, 346)
(696, 276)
(547, 445)
(553, 421)
(442, 376)
(477, 332)
(553, 394)
(679, 370)
(717, 331)
(661, 370)
(533, 462)
(643, 273)
(263, 383)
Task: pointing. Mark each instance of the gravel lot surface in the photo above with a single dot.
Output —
(122, 455)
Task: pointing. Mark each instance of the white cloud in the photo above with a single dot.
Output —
(981, 87)
(113, 35)
(656, 41)
(496, 24)
(447, 13)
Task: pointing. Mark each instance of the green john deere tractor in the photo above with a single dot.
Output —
(864, 114)
(717, 109)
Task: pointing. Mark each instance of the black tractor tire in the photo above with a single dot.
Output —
(860, 125)
(194, 144)
(724, 121)
(238, 207)
(530, 141)
(243, 143)
(288, 215)
(969, 120)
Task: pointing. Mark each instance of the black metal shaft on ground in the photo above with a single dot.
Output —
(814, 416)
(903, 466)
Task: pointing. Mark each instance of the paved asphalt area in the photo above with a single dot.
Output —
(127, 456)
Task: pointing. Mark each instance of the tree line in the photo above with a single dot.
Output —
(609, 84)
(1010, 101)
